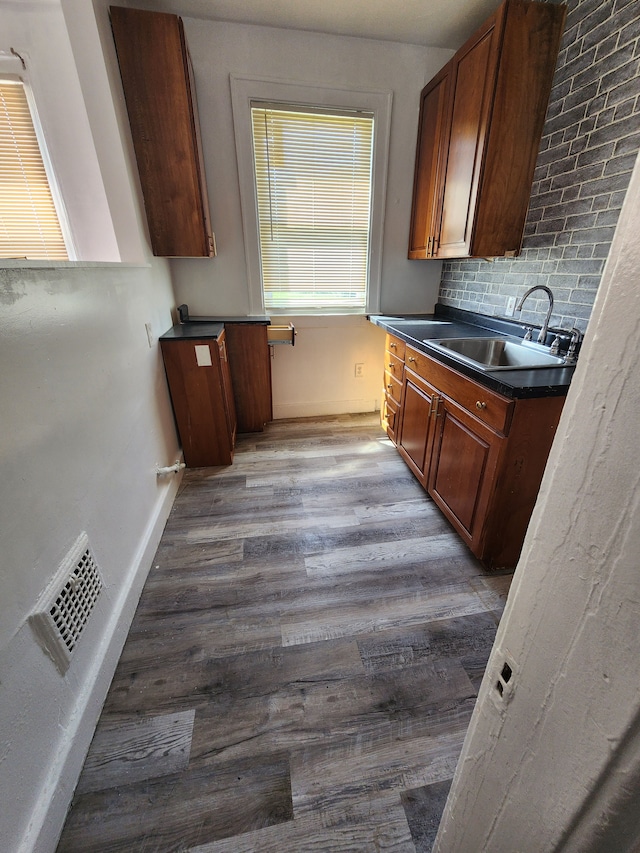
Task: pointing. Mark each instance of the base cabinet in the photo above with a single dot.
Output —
(202, 397)
(479, 455)
(250, 366)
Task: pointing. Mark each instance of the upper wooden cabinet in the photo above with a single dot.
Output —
(158, 86)
(481, 120)
(430, 163)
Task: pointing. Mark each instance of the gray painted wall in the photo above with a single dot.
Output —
(590, 141)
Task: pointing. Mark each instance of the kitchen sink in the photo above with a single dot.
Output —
(497, 353)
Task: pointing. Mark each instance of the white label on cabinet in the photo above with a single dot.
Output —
(203, 355)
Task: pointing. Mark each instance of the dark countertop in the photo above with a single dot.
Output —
(207, 327)
(447, 322)
(262, 320)
(194, 331)
(185, 317)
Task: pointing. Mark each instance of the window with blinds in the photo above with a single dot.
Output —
(313, 172)
(29, 224)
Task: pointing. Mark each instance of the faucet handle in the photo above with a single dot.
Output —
(528, 333)
(576, 337)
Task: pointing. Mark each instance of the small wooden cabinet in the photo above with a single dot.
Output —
(479, 455)
(481, 121)
(251, 374)
(202, 397)
(159, 91)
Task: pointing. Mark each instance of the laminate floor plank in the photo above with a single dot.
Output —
(303, 662)
(379, 824)
(127, 752)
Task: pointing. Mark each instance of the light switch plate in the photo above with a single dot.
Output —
(203, 355)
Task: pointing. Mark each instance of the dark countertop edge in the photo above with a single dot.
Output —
(517, 384)
(193, 331)
(262, 320)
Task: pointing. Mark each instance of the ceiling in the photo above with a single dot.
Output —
(433, 23)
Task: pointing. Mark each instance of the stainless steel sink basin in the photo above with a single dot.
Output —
(497, 353)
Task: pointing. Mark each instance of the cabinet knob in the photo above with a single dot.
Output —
(411, 358)
(480, 405)
(389, 387)
(392, 365)
(393, 346)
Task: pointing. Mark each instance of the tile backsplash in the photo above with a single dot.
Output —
(589, 145)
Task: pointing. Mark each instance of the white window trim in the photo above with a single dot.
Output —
(247, 89)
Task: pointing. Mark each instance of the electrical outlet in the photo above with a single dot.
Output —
(504, 680)
(511, 306)
(359, 370)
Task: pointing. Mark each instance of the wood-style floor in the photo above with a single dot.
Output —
(303, 663)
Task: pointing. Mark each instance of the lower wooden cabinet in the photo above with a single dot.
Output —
(479, 455)
(250, 365)
(202, 397)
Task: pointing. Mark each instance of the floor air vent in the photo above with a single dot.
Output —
(66, 604)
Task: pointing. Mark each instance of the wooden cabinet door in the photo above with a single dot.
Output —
(161, 104)
(474, 82)
(202, 399)
(463, 468)
(250, 365)
(416, 428)
(429, 168)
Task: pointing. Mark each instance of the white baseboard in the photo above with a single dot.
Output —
(47, 821)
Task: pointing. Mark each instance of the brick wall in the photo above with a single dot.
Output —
(589, 145)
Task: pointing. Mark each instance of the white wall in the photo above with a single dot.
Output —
(219, 49)
(219, 286)
(84, 421)
(318, 373)
(37, 31)
(556, 764)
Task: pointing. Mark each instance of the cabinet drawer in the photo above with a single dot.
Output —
(392, 387)
(395, 346)
(492, 409)
(390, 418)
(394, 366)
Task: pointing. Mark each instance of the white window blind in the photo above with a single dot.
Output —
(29, 225)
(313, 174)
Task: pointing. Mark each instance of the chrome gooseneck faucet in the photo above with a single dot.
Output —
(542, 336)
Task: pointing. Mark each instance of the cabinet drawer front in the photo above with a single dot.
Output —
(394, 366)
(492, 409)
(390, 418)
(395, 346)
(392, 387)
